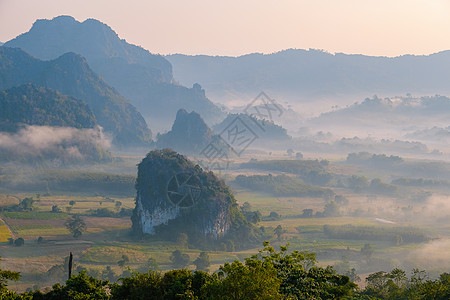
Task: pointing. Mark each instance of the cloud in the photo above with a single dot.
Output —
(47, 142)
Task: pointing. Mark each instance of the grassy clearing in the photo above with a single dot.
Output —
(35, 215)
(4, 232)
(286, 206)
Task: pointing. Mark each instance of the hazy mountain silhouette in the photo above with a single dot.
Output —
(301, 75)
(71, 75)
(144, 78)
(189, 134)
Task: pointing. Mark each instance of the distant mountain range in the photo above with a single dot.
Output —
(71, 75)
(301, 76)
(144, 78)
(31, 105)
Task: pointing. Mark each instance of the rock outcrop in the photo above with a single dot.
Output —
(189, 134)
(176, 196)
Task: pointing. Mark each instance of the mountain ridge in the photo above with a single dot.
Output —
(144, 78)
(71, 75)
(306, 75)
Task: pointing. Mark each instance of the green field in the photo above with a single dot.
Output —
(108, 238)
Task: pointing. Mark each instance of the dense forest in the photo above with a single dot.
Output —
(31, 105)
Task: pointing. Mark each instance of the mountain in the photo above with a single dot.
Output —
(144, 78)
(176, 196)
(71, 75)
(302, 76)
(95, 41)
(1, 44)
(189, 134)
(31, 105)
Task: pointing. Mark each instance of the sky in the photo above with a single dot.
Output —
(237, 27)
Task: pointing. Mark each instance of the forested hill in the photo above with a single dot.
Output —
(31, 105)
(189, 134)
(71, 75)
(144, 78)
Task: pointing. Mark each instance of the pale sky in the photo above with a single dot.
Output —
(236, 27)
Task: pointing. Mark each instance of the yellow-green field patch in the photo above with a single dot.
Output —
(4, 232)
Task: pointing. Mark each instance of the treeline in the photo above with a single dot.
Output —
(268, 275)
(310, 171)
(362, 184)
(398, 235)
(281, 185)
(49, 181)
(375, 159)
(423, 182)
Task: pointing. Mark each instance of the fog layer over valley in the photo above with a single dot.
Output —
(133, 161)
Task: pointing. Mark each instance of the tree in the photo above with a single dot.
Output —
(274, 215)
(76, 225)
(246, 207)
(299, 155)
(123, 261)
(301, 279)
(138, 286)
(290, 152)
(108, 274)
(307, 213)
(202, 262)
(27, 203)
(179, 259)
(72, 203)
(55, 209)
(152, 264)
(19, 242)
(118, 204)
(331, 209)
(5, 276)
(80, 286)
(358, 183)
(278, 231)
(367, 251)
(256, 279)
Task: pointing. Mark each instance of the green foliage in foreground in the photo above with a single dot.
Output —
(266, 275)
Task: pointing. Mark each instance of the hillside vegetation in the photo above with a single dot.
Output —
(31, 105)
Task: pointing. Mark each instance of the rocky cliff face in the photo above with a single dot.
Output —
(176, 196)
